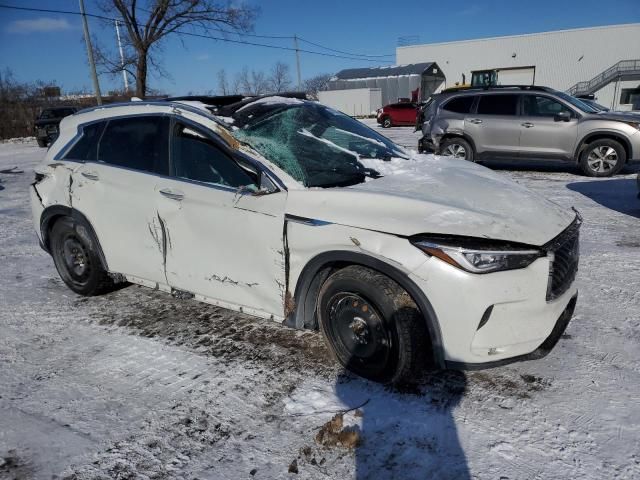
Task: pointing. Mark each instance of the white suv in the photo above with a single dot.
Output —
(285, 209)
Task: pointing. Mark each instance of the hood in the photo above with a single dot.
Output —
(438, 195)
(619, 116)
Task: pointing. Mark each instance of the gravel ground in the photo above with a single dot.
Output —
(137, 384)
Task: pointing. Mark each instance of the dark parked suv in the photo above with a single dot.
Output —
(47, 124)
(528, 122)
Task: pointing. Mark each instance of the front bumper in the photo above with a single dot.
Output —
(538, 353)
(519, 321)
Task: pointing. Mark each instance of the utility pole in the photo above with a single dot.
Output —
(92, 64)
(295, 45)
(124, 72)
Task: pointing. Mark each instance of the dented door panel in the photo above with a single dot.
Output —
(120, 203)
(225, 246)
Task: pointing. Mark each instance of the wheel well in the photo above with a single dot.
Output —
(52, 214)
(603, 136)
(318, 270)
(467, 138)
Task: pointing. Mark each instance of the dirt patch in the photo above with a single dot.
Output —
(214, 330)
(11, 466)
(519, 387)
(334, 434)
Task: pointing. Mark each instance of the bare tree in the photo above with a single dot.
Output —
(316, 84)
(223, 84)
(147, 25)
(279, 78)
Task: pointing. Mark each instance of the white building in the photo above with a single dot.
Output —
(559, 59)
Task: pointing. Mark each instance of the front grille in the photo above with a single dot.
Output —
(563, 269)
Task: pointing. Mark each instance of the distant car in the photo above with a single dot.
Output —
(396, 114)
(529, 122)
(46, 127)
(283, 214)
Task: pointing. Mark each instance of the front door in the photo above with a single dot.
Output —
(115, 190)
(543, 134)
(494, 127)
(224, 242)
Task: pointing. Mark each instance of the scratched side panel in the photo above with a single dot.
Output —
(306, 242)
(121, 206)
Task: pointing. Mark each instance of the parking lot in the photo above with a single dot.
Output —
(137, 384)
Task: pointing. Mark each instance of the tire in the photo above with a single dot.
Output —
(75, 255)
(372, 326)
(42, 142)
(386, 122)
(602, 158)
(457, 147)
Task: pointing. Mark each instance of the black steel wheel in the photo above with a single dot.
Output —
(75, 255)
(372, 326)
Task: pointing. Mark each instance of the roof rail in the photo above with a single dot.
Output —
(218, 101)
(537, 88)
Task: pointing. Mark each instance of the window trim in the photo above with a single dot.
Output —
(234, 154)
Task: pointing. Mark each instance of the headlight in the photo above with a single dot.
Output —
(484, 257)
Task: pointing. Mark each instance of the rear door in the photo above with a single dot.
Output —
(116, 190)
(543, 134)
(224, 243)
(495, 126)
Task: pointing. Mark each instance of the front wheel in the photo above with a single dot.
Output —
(372, 326)
(75, 255)
(386, 122)
(602, 158)
(456, 148)
(42, 142)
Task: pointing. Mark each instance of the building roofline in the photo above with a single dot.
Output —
(501, 37)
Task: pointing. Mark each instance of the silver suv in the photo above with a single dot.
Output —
(528, 122)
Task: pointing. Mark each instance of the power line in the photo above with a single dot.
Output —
(198, 35)
(343, 52)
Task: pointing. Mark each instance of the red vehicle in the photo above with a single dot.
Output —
(395, 114)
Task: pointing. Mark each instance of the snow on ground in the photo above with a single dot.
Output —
(137, 384)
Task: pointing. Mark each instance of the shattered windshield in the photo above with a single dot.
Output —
(316, 145)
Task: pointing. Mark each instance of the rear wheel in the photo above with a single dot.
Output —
(457, 148)
(75, 254)
(372, 325)
(386, 122)
(602, 158)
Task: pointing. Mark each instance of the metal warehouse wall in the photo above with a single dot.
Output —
(392, 87)
(562, 58)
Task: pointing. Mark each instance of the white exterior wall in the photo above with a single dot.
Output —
(561, 58)
(355, 102)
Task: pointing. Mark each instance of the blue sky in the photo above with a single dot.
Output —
(49, 47)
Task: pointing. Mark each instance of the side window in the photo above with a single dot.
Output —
(542, 106)
(87, 147)
(497, 104)
(196, 157)
(459, 104)
(140, 143)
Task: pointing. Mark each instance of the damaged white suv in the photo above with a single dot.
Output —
(285, 209)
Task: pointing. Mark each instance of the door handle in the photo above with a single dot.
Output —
(91, 175)
(477, 121)
(527, 124)
(172, 194)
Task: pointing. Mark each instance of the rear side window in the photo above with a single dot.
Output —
(197, 157)
(86, 148)
(140, 143)
(497, 104)
(459, 105)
